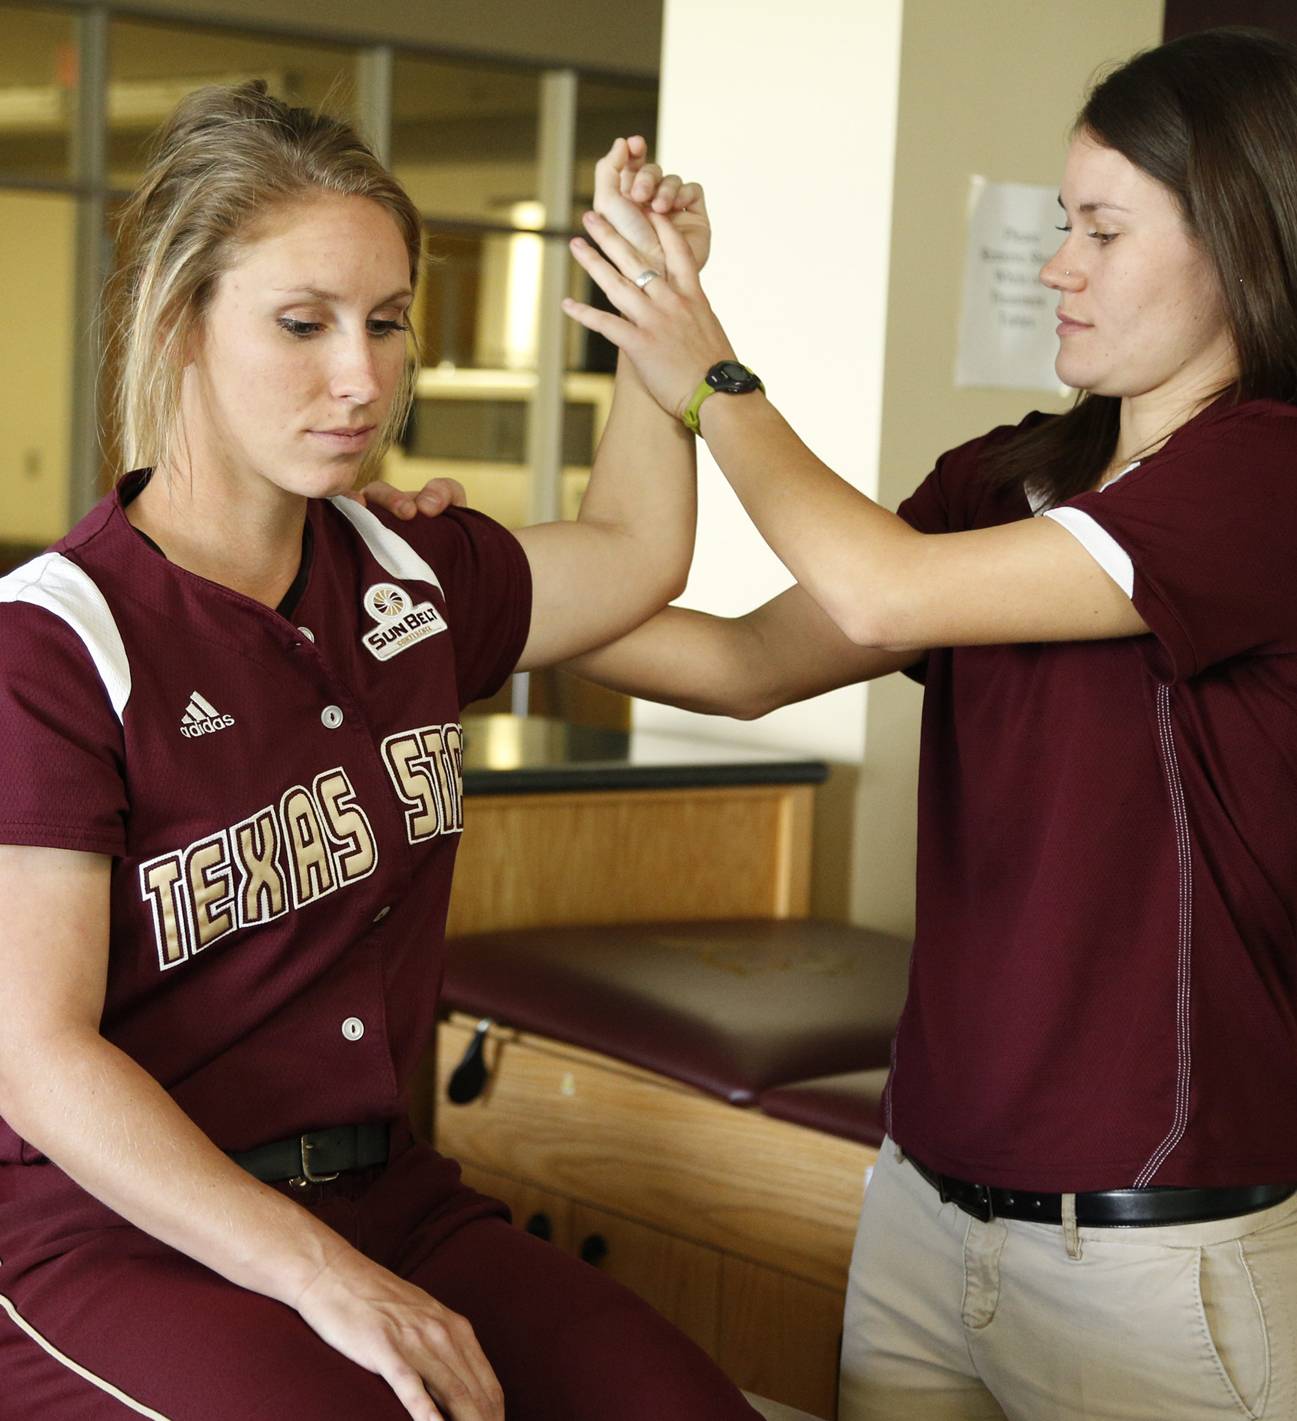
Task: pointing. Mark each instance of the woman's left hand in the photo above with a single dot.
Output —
(435, 497)
(666, 325)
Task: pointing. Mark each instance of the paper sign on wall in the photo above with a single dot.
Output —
(1007, 338)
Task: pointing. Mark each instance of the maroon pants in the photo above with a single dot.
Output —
(99, 1320)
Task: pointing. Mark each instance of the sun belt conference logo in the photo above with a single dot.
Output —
(401, 623)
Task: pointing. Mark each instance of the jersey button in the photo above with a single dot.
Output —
(353, 1028)
(331, 717)
(307, 633)
(381, 914)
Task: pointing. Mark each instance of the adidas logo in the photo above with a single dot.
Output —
(202, 718)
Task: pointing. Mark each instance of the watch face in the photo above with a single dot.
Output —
(732, 378)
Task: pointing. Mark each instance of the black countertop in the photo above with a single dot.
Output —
(508, 754)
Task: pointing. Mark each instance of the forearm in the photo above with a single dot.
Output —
(643, 489)
(784, 651)
(851, 555)
(682, 658)
(110, 1126)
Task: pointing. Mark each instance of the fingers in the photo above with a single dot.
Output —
(625, 171)
(690, 199)
(641, 186)
(608, 170)
(664, 200)
(679, 255)
(441, 1373)
(611, 327)
(433, 498)
(412, 1394)
(624, 295)
(439, 494)
(470, 1350)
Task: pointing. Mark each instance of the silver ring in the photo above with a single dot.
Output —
(643, 279)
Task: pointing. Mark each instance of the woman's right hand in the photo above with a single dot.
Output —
(627, 187)
(427, 1354)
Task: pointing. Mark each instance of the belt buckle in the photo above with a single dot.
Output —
(305, 1146)
(979, 1206)
(973, 1199)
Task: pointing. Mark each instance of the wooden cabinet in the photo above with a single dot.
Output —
(633, 856)
(736, 1226)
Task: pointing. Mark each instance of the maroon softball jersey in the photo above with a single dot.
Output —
(282, 799)
(1104, 988)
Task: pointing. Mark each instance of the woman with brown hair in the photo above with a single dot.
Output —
(230, 795)
(1087, 1206)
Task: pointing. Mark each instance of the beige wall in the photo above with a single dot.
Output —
(624, 37)
(36, 237)
(988, 87)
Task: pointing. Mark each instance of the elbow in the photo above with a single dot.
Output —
(675, 587)
(749, 710)
(657, 586)
(864, 627)
(877, 623)
(663, 591)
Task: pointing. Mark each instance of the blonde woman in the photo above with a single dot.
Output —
(229, 804)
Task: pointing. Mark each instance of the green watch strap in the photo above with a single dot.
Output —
(690, 416)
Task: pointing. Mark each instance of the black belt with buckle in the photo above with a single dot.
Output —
(317, 1157)
(1106, 1208)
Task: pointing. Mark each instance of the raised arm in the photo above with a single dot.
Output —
(883, 584)
(628, 553)
(114, 1130)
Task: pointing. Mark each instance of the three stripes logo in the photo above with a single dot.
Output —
(202, 718)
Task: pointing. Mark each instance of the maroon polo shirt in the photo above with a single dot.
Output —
(1104, 989)
(281, 799)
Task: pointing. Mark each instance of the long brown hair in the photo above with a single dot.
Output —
(1213, 118)
(225, 159)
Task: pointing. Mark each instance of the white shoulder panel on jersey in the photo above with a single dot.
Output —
(60, 586)
(389, 549)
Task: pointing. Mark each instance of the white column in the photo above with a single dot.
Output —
(787, 113)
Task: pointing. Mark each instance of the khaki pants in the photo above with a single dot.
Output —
(951, 1319)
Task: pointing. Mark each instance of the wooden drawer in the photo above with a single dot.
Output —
(773, 1334)
(651, 1150)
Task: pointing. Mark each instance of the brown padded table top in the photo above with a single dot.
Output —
(849, 1105)
(733, 1008)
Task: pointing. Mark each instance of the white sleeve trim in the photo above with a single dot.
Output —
(390, 551)
(1099, 543)
(58, 585)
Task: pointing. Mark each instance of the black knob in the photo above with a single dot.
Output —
(593, 1250)
(539, 1225)
(468, 1078)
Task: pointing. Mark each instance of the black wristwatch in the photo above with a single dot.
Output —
(727, 376)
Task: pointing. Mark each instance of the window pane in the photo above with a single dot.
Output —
(154, 66)
(476, 315)
(37, 237)
(605, 111)
(38, 78)
(464, 140)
